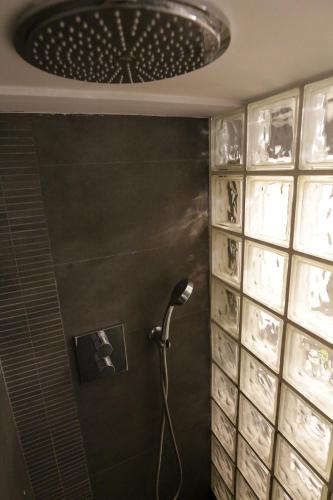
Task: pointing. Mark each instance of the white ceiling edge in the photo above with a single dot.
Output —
(19, 99)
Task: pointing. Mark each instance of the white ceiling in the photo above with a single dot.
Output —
(275, 44)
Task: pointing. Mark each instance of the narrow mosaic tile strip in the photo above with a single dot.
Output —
(32, 343)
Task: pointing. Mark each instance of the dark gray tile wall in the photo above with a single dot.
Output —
(127, 206)
(14, 480)
(126, 201)
(33, 351)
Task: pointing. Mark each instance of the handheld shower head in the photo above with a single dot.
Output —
(179, 296)
(181, 293)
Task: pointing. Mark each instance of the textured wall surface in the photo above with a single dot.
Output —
(14, 480)
(33, 350)
(126, 203)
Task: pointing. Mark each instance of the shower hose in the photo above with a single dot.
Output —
(166, 419)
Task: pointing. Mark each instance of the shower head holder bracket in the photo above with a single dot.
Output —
(155, 334)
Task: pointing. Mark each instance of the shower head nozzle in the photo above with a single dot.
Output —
(179, 296)
(181, 293)
(121, 41)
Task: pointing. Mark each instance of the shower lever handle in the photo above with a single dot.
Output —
(103, 352)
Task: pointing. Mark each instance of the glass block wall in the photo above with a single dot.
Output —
(272, 298)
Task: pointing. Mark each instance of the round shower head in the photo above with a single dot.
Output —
(121, 41)
(181, 293)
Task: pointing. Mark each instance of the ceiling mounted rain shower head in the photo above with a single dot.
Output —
(121, 41)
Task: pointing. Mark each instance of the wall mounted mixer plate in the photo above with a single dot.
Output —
(101, 353)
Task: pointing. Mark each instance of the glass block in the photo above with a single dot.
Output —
(255, 472)
(227, 195)
(308, 366)
(265, 272)
(311, 296)
(314, 216)
(272, 125)
(307, 430)
(243, 490)
(225, 307)
(219, 488)
(259, 385)
(262, 333)
(317, 126)
(224, 430)
(225, 352)
(278, 492)
(256, 430)
(228, 141)
(301, 482)
(226, 257)
(268, 208)
(223, 463)
(224, 392)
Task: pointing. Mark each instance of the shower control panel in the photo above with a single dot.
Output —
(101, 353)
